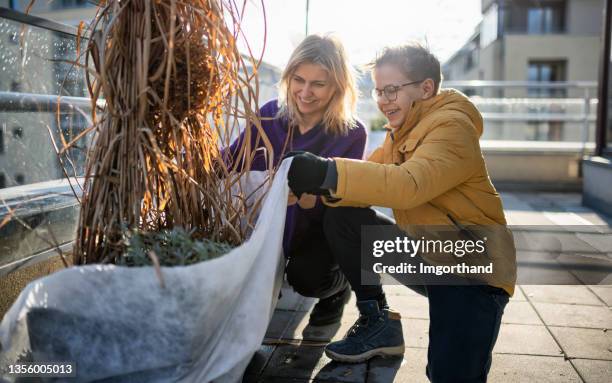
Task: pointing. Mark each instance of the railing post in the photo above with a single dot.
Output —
(585, 123)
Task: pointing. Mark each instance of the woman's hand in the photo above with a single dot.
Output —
(307, 201)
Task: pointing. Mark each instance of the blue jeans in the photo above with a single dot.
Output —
(464, 319)
(463, 328)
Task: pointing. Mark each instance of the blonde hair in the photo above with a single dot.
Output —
(328, 52)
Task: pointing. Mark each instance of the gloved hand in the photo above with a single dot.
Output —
(307, 173)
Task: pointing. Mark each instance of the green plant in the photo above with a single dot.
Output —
(169, 247)
(378, 123)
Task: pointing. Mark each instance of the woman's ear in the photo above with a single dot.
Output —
(428, 88)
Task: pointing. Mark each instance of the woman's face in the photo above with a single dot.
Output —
(397, 108)
(311, 89)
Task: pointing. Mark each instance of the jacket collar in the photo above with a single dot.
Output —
(422, 108)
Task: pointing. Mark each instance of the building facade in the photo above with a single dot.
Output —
(534, 41)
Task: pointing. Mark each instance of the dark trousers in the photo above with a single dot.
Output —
(311, 268)
(464, 319)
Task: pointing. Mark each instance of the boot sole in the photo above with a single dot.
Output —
(359, 358)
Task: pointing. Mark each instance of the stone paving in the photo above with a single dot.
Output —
(555, 333)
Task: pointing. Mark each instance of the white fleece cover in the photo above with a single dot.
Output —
(118, 324)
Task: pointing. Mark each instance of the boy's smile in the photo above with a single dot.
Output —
(396, 110)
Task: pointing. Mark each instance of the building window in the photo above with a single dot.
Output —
(547, 18)
(2, 181)
(546, 71)
(19, 178)
(534, 16)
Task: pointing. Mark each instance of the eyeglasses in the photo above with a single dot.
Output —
(390, 91)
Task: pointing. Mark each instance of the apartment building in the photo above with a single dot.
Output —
(534, 40)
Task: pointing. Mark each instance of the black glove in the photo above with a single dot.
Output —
(307, 173)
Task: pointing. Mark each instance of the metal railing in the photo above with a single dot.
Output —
(586, 88)
(16, 102)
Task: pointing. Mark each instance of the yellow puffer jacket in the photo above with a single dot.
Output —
(432, 172)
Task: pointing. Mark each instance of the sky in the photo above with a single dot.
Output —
(364, 26)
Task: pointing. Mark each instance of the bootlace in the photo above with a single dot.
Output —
(360, 326)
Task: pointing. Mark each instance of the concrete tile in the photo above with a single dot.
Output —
(409, 369)
(601, 241)
(584, 343)
(400, 290)
(594, 371)
(531, 368)
(604, 293)
(290, 300)
(518, 295)
(561, 294)
(595, 218)
(525, 339)
(258, 363)
(518, 312)
(522, 217)
(590, 269)
(279, 322)
(299, 328)
(562, 199)
(305, 362)
(514, 201)
(416, 332)
(559, 314)
(557, 240)
(536, 268)
(410, 307)
(307, 304)
(351, 306)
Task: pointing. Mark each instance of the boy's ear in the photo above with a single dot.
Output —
(428, 88)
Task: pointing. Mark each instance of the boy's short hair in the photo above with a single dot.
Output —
(414, 59)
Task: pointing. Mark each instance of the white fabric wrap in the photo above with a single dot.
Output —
(118, 323)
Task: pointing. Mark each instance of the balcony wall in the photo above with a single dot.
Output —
(582, 64)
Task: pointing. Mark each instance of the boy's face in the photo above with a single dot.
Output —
(397, 107)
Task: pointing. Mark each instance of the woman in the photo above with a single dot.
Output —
(314, 113)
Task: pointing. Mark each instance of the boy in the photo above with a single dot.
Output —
(430, 171)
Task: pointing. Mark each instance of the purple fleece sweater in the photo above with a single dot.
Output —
(315, 141)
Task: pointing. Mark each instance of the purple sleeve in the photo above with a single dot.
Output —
(230, 154)
(357, 149)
